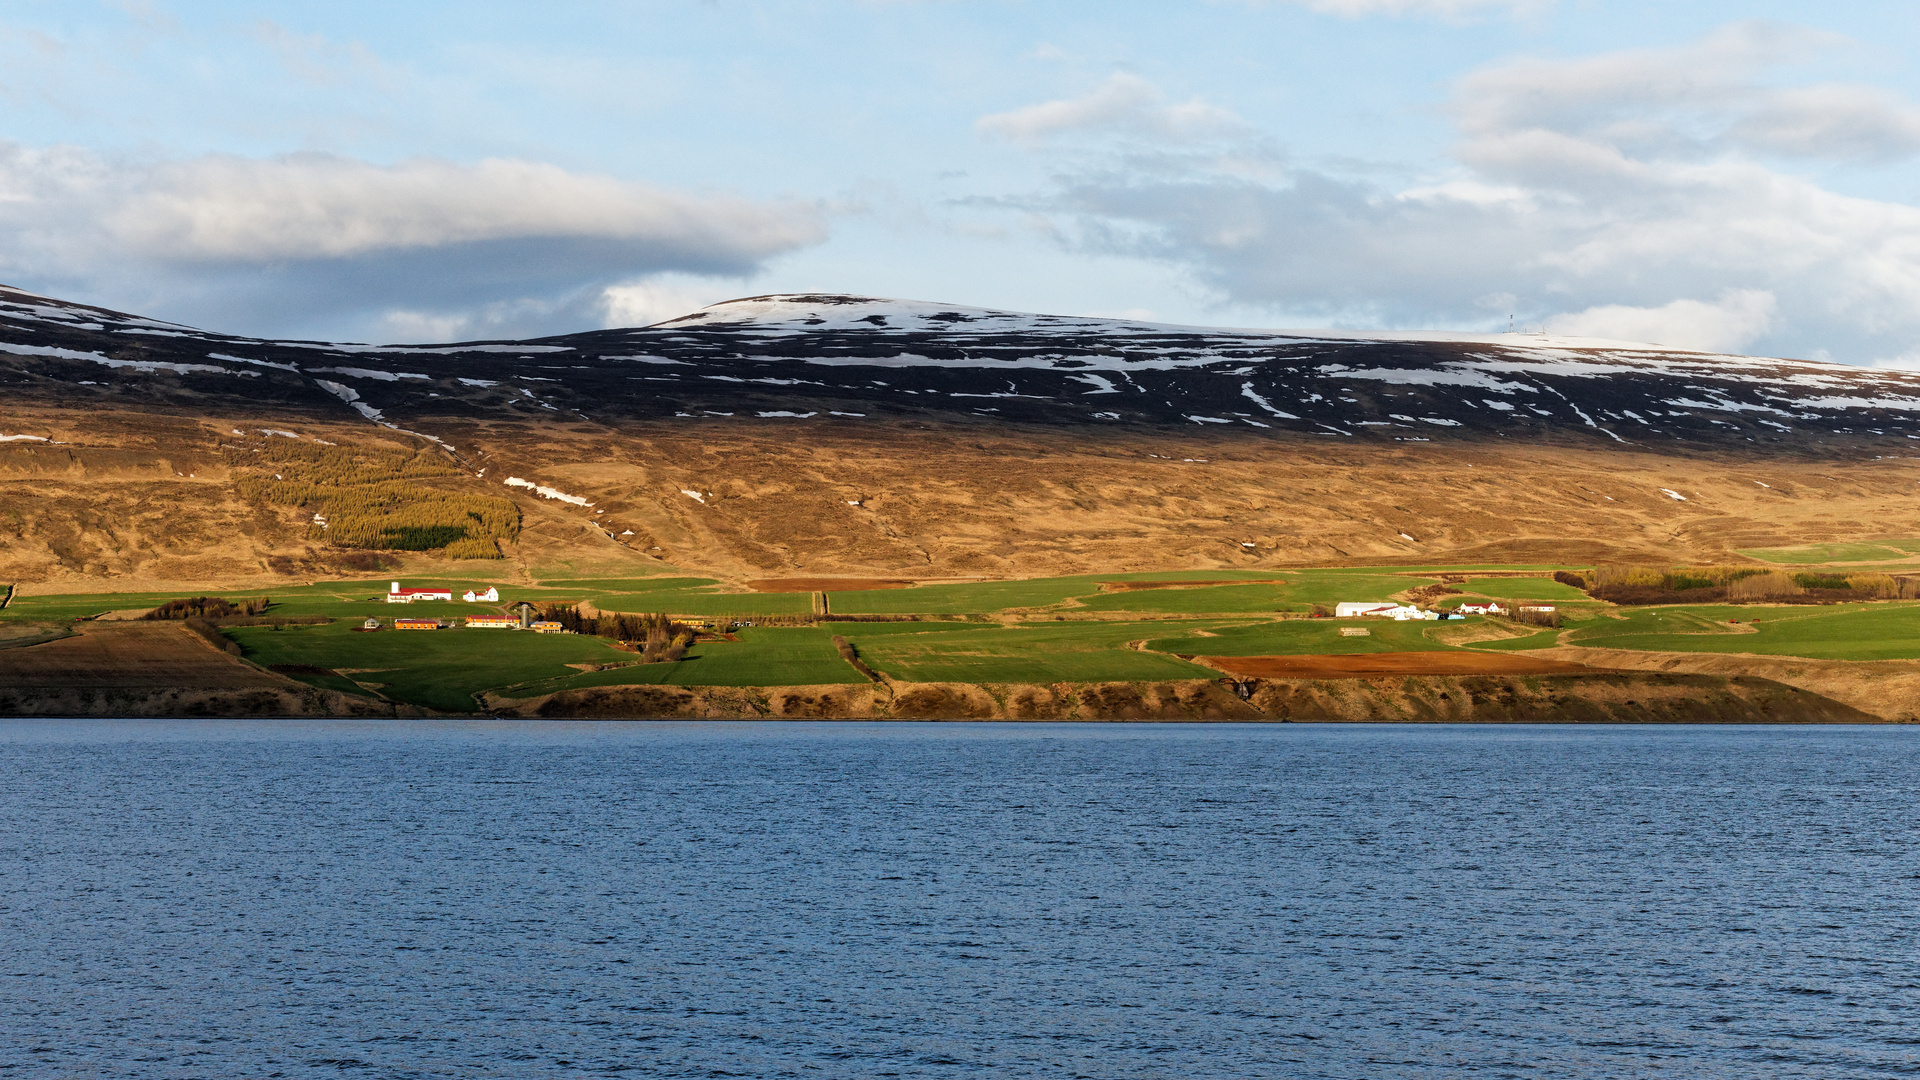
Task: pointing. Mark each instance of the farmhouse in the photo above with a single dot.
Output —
(1488, 608)
(416, 624)
(548, 628)
(398, 595)
(492, 595)
(490, 622)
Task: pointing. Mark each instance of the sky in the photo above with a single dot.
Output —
(1728, 176)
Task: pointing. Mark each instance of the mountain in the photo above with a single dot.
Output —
(828, 434)
(850, 357)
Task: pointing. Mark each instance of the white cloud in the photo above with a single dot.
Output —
(1738, 319)
(1701, 100)
(657, 299)
(502, 245)
(1642, 194)
(1124, 104)
(305, 206)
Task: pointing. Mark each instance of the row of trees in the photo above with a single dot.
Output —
(1706, 584)
(656, 636)
(207, 607)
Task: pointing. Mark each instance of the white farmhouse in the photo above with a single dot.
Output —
(492, 595)
(1488, 608)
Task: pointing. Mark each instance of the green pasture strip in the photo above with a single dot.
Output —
(1307, 637)
(1040, 652)
(763, 656)
(767, 656)
(1433, 569)
(1215, 599)
(1879, 631)
(1306, 588)
(66, 607)
(628, 585)
(1543, 639)
(991, 596)
(1523, 589)
(985, 596)
(701, 602)
(682, 596)
(439, 669)
(1807, 554)
(330, 682)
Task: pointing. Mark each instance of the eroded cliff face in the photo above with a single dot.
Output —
(1601, 697)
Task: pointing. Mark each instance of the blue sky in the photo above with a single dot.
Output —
(1712, 175)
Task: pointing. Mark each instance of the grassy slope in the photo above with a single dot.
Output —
(771, 656)
(438, 669)
(1886, 631)
(1308, 637)
(1032, 652)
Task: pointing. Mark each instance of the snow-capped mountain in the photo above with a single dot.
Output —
(828, 358)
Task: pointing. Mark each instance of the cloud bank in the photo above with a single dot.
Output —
(1642, 194)
(499, 246)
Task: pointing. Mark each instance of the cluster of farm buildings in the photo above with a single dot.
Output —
(1407, 612)
(522, 620)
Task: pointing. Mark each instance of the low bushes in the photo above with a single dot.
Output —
(1639, 585)
(207, 608)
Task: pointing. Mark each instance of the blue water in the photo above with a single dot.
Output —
(826, 900)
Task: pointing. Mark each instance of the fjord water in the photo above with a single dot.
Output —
(309, 899)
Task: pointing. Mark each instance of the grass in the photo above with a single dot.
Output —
(440, 670)
(445, 670)
(1217, 599)
(1046, 652)
(1883, 631)
(1807, 554)
(1523, 589)
(764, 656)
(1308, 637)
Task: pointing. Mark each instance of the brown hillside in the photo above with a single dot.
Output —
(123, 498)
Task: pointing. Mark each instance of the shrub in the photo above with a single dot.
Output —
(1772, 585)
(207, 608)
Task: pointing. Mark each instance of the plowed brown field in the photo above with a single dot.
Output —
(128, 655)
(1376, 665)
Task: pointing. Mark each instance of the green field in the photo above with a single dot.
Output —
(1041, 652)
(1308, 637)
(438, 669)
(765, 656)
(1042, 630)
(1524, 588)
(1881, 631)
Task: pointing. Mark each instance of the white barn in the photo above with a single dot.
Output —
(398, 595)
(1350, 611)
